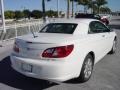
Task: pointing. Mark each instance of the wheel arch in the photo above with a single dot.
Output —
(80, 74)
(115, 38)
(93, 55)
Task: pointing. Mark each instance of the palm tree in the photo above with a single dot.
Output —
(85, 3)
(105, 10)
(73, 6)
(108, 10)
(100, 3)
(43, 8)
(92, 6)
(68, 8)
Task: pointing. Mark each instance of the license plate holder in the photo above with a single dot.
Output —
(26, 67)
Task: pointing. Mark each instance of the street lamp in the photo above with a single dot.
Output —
(3, 16)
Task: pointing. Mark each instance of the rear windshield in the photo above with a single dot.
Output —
(65, 28)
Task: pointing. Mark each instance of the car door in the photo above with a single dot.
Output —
(100, 34)
(108, 37)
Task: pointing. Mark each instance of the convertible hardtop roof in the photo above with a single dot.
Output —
(77, 21)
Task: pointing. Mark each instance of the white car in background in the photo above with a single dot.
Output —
(63, 50)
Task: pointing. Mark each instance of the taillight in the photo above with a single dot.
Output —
(58, 52)
(16, 48)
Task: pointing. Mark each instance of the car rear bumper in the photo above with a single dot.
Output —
(47, 70)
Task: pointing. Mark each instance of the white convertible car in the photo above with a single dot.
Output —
(63, 50)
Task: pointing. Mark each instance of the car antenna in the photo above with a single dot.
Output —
(33, 34)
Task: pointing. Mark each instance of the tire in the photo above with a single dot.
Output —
(87, 69)
(113, 50)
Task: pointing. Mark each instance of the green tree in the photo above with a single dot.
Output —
(51, 13)
(27, 13)
(36, 14)
(18, 15)
(9, 14)
(100, 3)
(92, 5)
(85, 3)
(105, 10)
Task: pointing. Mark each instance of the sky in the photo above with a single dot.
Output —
(37, 4)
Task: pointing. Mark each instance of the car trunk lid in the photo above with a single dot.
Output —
(33, 47)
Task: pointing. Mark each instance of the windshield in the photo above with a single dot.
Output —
(65, 28)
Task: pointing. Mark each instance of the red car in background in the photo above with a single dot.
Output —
(93, 16)
(104, 20)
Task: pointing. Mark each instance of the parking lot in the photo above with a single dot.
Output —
(106, 74)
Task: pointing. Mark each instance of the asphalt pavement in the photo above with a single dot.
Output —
(106, 74)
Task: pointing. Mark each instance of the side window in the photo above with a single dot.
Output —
(97, 27)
